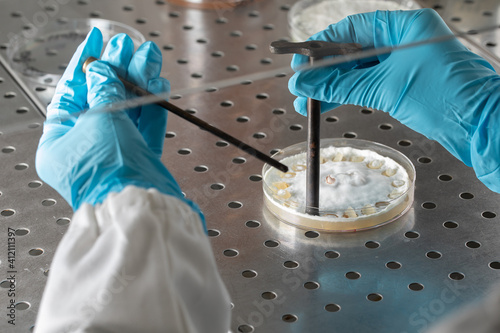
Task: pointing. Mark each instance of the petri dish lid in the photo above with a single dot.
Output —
(42, 56)
(308, 17)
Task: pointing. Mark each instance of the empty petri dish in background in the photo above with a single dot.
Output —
(42, 57)
(308, 17)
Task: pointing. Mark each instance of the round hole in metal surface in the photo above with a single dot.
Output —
(281, 75)
(331, 119)
(212, 89)
(141, 20)
(291, 264)
(245, 328)
(35, 252)
(311, 285)
(374, 297)
(312, 234)
(170, 135)
(259, 135)
(34, 125)
(285, 7)
(230, 253)
(128, 8)
(433, 255)
(416, 286)
(242, 119)
(155, 33)
(221, 20)
(213, 232)
(22, 231)
(22, 110)
(412, 234)
(254, 13)
(445, 178)
(202, 41)
(332, 307)
(235, 204)
(456, 19)
(385, 127)
(255, 178)
(221, 143)
(184, 151)
(271, 243)
(9, 94)
(187, 27)
(226, 104)
(175, 97)
(473, 244)
(279, 111)
(268, 27)
(487, 13)
(217, 54)
(6, 284)
(246, 82)
(174, 14)
(332, 254)
(352, 275)
(232, 68)
(168, 47)
(491, 44)
(40, 89)
(456, 276)
(7, 212)
(372, 244)
(201, 168)
(16, 14)
(22, 306)
(437, 6)
(393, 265)
(349, 135)
(251, 47)
(236, 33)
(488, 215)
(269, 295)
(252, 224)
(182, 61)
(424, 160)
(366, 111)
(295, 127)
(404, 143)
(450, 224)
(239, 160)
(63, 221)
(466, 196)
(289, 318)
(217, 186)
(429, 205)
(8, 150)
(34, 184)
(494, 264)
(262, 96)
(266, 61)
(249, 273)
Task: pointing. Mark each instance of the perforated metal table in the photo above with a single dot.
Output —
(398, 278)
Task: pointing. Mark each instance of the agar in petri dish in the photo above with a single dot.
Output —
(42, 56)
(363, 184)
(308, 17)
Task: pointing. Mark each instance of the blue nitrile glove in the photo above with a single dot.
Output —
(85, 156)
(441, 90)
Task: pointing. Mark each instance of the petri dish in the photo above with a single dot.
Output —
(308, 17)
(42, 56)
(363, 185)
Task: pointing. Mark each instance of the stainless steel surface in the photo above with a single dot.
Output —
(398, 278)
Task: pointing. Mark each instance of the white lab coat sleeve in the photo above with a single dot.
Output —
(139, 262)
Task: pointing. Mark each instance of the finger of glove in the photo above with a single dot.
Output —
(337, 86)
(153, 118)
(104, 85)
(70, 96)
(300, 105)
(118, 53)
(144, 66)
(352, 29)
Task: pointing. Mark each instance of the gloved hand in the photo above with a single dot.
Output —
(85, 156)
(441, 90)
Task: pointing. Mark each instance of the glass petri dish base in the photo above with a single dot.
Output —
(363, 185)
